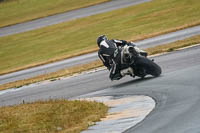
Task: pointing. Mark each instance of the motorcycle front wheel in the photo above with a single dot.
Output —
(147, 65)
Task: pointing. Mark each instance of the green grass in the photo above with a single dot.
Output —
(17, 11)
(62, 40)
(54, 116)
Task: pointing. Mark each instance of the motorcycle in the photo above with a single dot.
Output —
(140, 64)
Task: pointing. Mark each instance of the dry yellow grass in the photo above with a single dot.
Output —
(53, 116)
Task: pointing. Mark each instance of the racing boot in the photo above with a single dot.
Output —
(117, 76)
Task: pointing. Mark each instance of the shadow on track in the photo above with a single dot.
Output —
(138, 80)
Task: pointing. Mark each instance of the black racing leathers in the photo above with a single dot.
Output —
(111, 56)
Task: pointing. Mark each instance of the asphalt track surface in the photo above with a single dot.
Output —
(176, 92)
(71, 15)
(159, 40)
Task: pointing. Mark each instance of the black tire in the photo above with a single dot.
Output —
(149, 66)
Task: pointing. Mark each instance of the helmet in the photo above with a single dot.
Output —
(100, 39)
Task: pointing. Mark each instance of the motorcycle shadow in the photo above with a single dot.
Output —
(134, 81)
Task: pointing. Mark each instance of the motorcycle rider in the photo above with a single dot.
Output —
(110, 55)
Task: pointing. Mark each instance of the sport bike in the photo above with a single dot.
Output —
(141, 65)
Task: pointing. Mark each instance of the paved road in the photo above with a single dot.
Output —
(159, 40)
(177, 92)
(71, 15)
